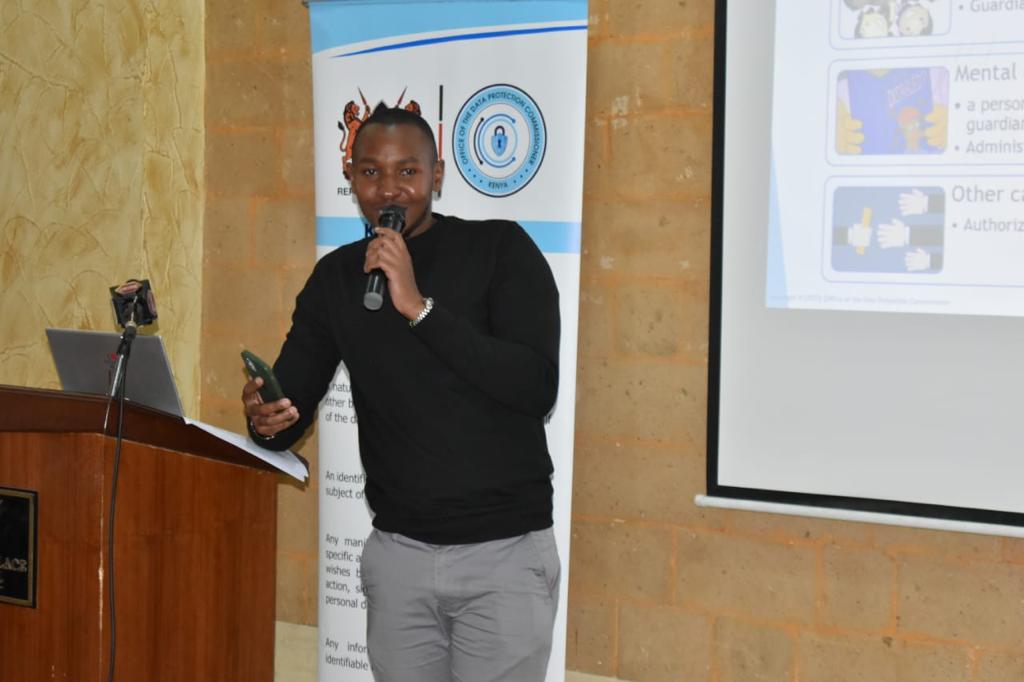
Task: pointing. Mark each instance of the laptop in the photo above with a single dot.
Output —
(85, 363)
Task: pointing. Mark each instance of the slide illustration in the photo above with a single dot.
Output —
(866, 19)
(888, 229)
(892, 111)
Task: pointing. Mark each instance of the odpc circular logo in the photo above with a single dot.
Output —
(499, 140)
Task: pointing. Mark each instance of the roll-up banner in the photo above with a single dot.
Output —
(502, 83)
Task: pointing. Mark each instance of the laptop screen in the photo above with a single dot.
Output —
(86, 360)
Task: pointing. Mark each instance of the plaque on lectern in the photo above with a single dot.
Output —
(18, 518)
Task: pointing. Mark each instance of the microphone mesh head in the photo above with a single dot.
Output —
(373, 300)
(393, 217)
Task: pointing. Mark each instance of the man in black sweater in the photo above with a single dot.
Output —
(451, 382)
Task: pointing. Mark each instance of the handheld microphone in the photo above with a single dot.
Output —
(392, 217)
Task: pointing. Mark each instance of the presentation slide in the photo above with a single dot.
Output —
(868, 320)
(897, 144)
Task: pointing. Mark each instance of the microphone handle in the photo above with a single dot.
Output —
(377, 283)
(373, 299)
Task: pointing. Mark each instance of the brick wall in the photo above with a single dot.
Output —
(659, 589)
(662, 590)
(259, 236)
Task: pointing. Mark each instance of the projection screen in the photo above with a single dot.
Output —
(868, 258)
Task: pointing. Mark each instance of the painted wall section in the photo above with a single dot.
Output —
(101, 141)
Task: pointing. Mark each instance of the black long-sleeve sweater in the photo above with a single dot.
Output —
(450, 412)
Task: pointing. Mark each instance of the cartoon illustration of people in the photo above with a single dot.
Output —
(892, 111)
(872, 23)
(911, 124)
(914, 19)
(891, 18)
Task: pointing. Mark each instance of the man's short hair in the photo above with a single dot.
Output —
(395, 116)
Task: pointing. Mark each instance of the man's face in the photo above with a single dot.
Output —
(395, 166)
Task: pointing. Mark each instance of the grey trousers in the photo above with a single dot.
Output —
(460, 613)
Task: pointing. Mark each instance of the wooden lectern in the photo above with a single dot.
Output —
(194, 549)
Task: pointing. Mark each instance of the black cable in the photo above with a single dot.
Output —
(111, 516)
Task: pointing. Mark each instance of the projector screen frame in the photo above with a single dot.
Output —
(892, 512)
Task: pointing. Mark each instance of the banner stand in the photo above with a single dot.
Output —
(475, 71)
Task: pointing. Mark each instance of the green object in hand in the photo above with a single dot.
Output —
(270, 391)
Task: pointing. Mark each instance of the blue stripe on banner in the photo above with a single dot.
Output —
(339, 231)
(550, 236)
(464, 36)
(344, 22)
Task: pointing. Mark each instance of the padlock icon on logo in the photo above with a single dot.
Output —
(499, 141)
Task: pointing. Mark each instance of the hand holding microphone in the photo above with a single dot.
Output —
(392, 218)
(389, 266)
